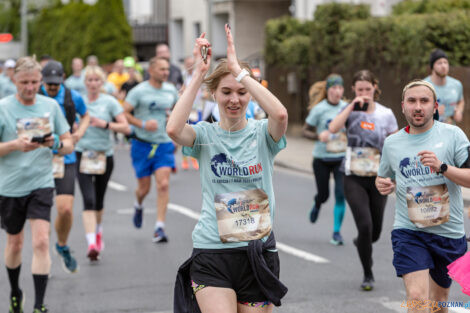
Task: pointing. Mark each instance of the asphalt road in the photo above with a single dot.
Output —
(136, 275)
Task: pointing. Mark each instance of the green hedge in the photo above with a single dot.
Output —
(430, 6)
(78, 30)
(348, 42)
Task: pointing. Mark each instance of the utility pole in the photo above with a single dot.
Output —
(24, 26)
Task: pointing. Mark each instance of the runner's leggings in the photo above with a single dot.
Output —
(322, 169)
(93, 187)
(367, 206)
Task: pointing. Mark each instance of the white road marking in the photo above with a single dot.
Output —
(117, 186)
(397, 305)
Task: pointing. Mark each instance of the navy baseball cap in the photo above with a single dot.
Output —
(53, 73)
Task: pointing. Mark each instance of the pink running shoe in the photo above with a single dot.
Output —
(93, 252)
(99, 241)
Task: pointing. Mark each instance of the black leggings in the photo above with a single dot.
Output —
(93, 187)
(322, 170)
(367, 206)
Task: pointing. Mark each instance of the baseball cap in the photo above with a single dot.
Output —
(53, 73)
(10, 63)
(129, 62)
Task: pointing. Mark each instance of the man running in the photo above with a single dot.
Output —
(152, 150)
(449, 91)
(175, 77)
(30, 127)
(426, 163)
(70, 103)
(8, 86)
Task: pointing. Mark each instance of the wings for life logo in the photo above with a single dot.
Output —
(221, 165)
(410, 167)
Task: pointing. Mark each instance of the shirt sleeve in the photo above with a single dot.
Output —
(459, 90)
(195, 150)
(273, 147)
(61, 126)
(385, 169)
(116, 108)
(461, 146)
(392, 125)
(133, 97)
(80, 105)
(312, 118)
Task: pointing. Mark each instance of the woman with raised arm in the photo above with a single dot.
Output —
(234, 266)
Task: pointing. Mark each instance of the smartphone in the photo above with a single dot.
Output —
(357, 106)
(40, 139)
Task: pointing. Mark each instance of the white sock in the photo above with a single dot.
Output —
(91, 238)
(99, 228)
(159, 224)
(138, 205)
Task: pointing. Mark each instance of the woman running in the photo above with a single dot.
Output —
(95, 155)
(367, 124)
(235, 265)
(328, 152)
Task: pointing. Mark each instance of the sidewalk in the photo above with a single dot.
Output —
(298, 156)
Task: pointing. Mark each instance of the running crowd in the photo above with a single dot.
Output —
(67, 128)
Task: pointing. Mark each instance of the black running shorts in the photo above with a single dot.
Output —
(15, 210)
(66, 185)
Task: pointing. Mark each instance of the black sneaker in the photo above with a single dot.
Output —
(367, 284)
(314, 213)
(43, 309)
(159, 235)
(17, 303)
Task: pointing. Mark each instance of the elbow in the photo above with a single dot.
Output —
(281, 115)
(332, 129)
(172, 132)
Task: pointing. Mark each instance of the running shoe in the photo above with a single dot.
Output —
(41, 310)
(99, 241)
(138, 216)
(185, 164)
(194, 163)
(368, 283)
(159, 235)
(314, 213)
(69, 264)
(17, 303)
(93, 252)
(337, 239)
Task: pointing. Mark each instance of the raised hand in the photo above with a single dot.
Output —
(232, 60)
(202, 44)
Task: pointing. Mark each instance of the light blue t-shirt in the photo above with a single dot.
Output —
(106, 107)
(152, 103)
(7, 88)
(80, 108)
(320, 117)
(231, 164)
(448, 95)
(76, 83)
(400, 161)
(23, 172)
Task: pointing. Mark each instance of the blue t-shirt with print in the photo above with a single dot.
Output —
(80, 108)
(152, 103)
(400, 161)
(106, 107)
(320, 117)
(231, 164)
(23, 172)
(448, 95)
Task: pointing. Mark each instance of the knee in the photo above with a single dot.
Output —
(143, 189)
(417, 294)
(321, 198)
(163, 186)
(15, 245)
(41, 243)
(364, 230)
(65, 211)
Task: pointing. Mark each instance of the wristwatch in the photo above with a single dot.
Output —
(443, 168)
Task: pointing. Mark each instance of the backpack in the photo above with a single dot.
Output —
(69, 106)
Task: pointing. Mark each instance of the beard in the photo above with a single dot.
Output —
(424, 120)
(441, 74)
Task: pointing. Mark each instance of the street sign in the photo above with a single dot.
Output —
(6, 37)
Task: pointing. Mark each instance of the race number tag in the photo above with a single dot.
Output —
(93, 162)
(428, 206)
(243, 215)
(33, 127)
(337, 143)
(58, 167)
(362, 161)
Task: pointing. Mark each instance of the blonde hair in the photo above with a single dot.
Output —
(27, 64)
(95, 70)
(316, 93)
(416, 83)
(212, 81)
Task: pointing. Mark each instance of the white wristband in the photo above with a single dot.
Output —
(143, 125)
(242, 74)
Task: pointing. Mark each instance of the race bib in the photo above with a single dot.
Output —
(362, 161)
(428, 206)
(58, 167)
(243, 215)
(93, 162)
(33, 127)
(337, 143)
